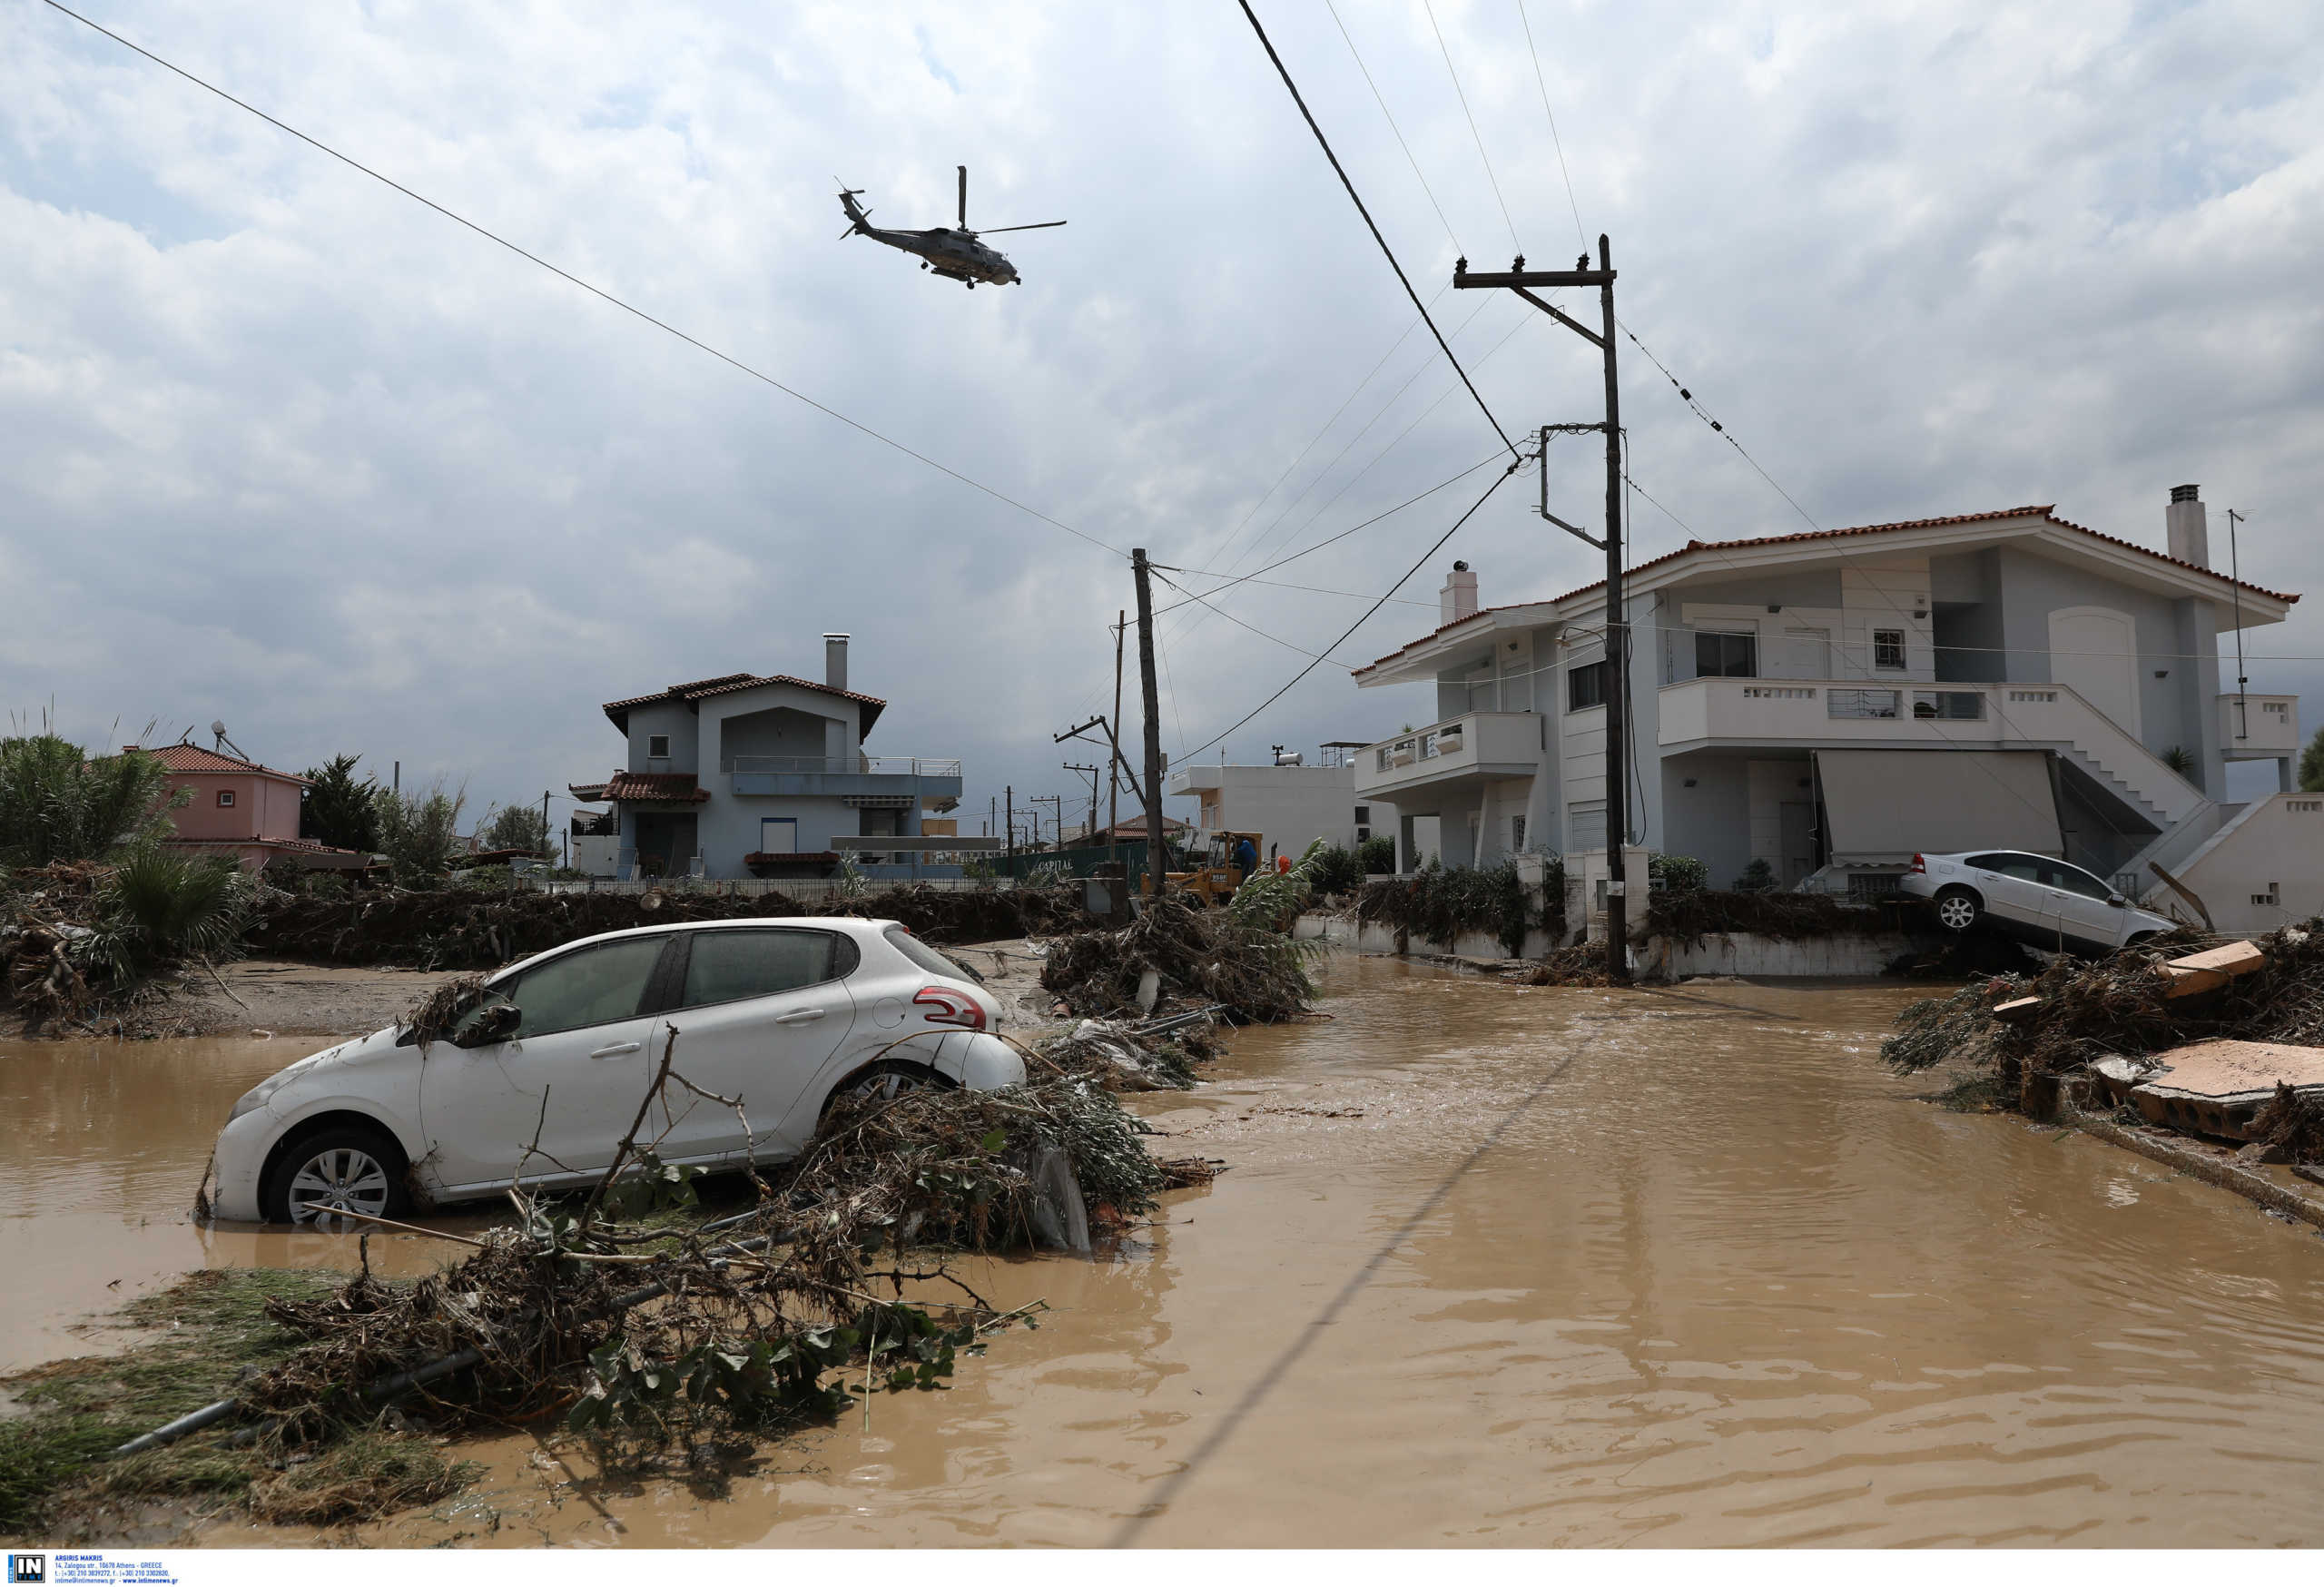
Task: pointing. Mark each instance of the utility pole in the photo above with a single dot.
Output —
(1010, 789)
(546, 852)
(1522, 282)
(1091, 772)
(1058, 800)
(1113, 786)
(1158, 868)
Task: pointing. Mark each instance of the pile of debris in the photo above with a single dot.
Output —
(466, 928)
(1177, 958)
(644, 1326)
(1581, 964)
(1689, 916)
(2215, 1015)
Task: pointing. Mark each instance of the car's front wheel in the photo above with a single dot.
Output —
(1957, 909)
(343, 1168)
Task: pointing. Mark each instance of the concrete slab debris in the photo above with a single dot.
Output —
(2214, 1088)
(2202, 972)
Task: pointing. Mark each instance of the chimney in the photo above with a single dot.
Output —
(1458, 598)
(2187, 526)
(835, 660)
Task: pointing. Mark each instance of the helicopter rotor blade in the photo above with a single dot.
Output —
(964, 198)
(1036, 226)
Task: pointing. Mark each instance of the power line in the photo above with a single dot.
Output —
(1356, 198)
(587, 287)
(1393, 127)
(1501, 479)
(1262, 633)
(1337, 458)
(1555, 141)
(1397, 440)
(1326, 430)
(1409, 501)
(1465, 110)
(1703, 413)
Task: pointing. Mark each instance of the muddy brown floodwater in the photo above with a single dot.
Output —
(1514, 1266)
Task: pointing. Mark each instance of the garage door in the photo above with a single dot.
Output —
(1883, 806)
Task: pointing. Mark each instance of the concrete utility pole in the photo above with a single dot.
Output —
(1521, 282)
(1009, 810)
(547, 852)
(1091, 772)
(1157, 866)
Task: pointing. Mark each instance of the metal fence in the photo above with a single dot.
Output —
(802, 888)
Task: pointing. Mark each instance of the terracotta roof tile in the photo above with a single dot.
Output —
(617, 711)
(2047, 512)
(665, 787)
(193, 757)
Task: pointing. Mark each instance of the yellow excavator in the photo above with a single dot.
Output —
(1214, 881)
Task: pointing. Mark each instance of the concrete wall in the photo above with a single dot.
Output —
(1655, 959)
(1292, 806)
(263, 807)
(2263, 870)
(779, 730)
(2176, 709)
(1712, 820)
(675, 718)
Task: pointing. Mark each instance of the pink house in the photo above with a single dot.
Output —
(244, 809)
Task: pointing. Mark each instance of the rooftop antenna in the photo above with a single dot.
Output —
(218, 728)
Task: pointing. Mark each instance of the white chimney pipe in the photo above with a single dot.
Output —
(835, 660)
(2187, 526)
(1458, 598)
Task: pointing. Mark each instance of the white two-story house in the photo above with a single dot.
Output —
(1831, 702)
(744, 776)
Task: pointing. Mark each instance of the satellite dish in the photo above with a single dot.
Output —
(219, 727)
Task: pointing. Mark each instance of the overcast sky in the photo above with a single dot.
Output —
(281, 447)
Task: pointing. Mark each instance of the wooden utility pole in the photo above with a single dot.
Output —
(1009, 810)
(1113, 783)
(1521, 282)
(1157, 866)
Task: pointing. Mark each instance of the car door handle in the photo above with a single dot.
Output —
(800, 1016)
(618, 1050)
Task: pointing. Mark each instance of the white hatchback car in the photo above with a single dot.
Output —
(784, 1014)
(2041, 901)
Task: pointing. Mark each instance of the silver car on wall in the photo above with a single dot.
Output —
(2043, 902)
(545, 1071)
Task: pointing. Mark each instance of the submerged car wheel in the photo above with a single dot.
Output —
(883, 1081)
(1957, 909)
(346, 1169)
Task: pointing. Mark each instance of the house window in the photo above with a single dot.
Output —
(1888, 649)
(657, 746)
(1364, 815)
(1727, 655)
(225, 799)
(1585, 686)
(1517, 835)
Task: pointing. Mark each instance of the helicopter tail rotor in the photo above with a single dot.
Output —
(964, 198)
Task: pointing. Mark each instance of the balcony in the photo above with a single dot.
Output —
(1464, 750)
(897, 781)
(1837, 715)
(2259, 726)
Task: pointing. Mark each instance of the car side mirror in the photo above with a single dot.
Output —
(2118, 901)
(496, 1023)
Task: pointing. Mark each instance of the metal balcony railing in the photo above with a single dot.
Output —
(843, 766)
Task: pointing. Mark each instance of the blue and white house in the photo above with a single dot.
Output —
(1831, 702)
(744, 776)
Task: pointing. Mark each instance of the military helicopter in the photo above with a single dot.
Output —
(949, 250)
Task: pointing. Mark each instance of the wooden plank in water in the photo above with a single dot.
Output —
(2017, 1011)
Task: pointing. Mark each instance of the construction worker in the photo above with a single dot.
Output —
(1247, 859)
